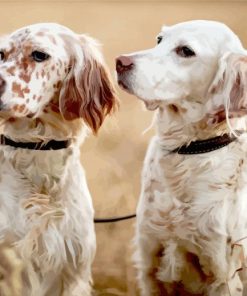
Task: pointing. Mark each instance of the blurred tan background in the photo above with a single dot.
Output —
(114, 159)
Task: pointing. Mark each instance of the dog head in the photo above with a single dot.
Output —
(48, 67)
(187, 65)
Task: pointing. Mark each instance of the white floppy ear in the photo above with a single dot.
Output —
(228, 91)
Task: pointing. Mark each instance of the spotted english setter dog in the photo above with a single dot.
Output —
(54, 88)
(191, 233)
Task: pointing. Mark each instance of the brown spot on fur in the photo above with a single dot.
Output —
(53, 68)
(25, 77)
(194, 261)
(11, 119)
(11, 70)
(34, 97)
(173, 108)
(154, 185)
(16, 88)
(59, 84)
(156, 258)
(24, 63)
(9, 52)
(15, 107)
(21, 108)
(26, 90)
(55, 108)
(39, 98)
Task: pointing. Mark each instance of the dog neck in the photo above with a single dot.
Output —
(177, 125)
(45, 128)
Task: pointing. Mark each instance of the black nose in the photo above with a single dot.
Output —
(123, 64)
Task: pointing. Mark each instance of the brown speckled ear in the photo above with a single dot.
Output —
(228, 92)
(88, 91)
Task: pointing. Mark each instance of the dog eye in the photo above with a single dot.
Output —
(185, 52)
(2, 55)
(39, 56)
(159, 39)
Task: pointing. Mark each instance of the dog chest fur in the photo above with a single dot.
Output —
(192, 208)
(36, 191)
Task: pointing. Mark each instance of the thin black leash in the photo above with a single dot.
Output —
(114, 219)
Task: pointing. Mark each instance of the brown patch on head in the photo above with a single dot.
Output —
(24, 63)
(9, 52)
(24, 76)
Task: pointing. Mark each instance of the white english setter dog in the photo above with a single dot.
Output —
(191, 233)
(54, 87)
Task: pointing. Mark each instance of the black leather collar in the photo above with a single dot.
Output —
(51, 145)
(204, 146)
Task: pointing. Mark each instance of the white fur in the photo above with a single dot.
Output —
(46, 212)
(192, 208)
